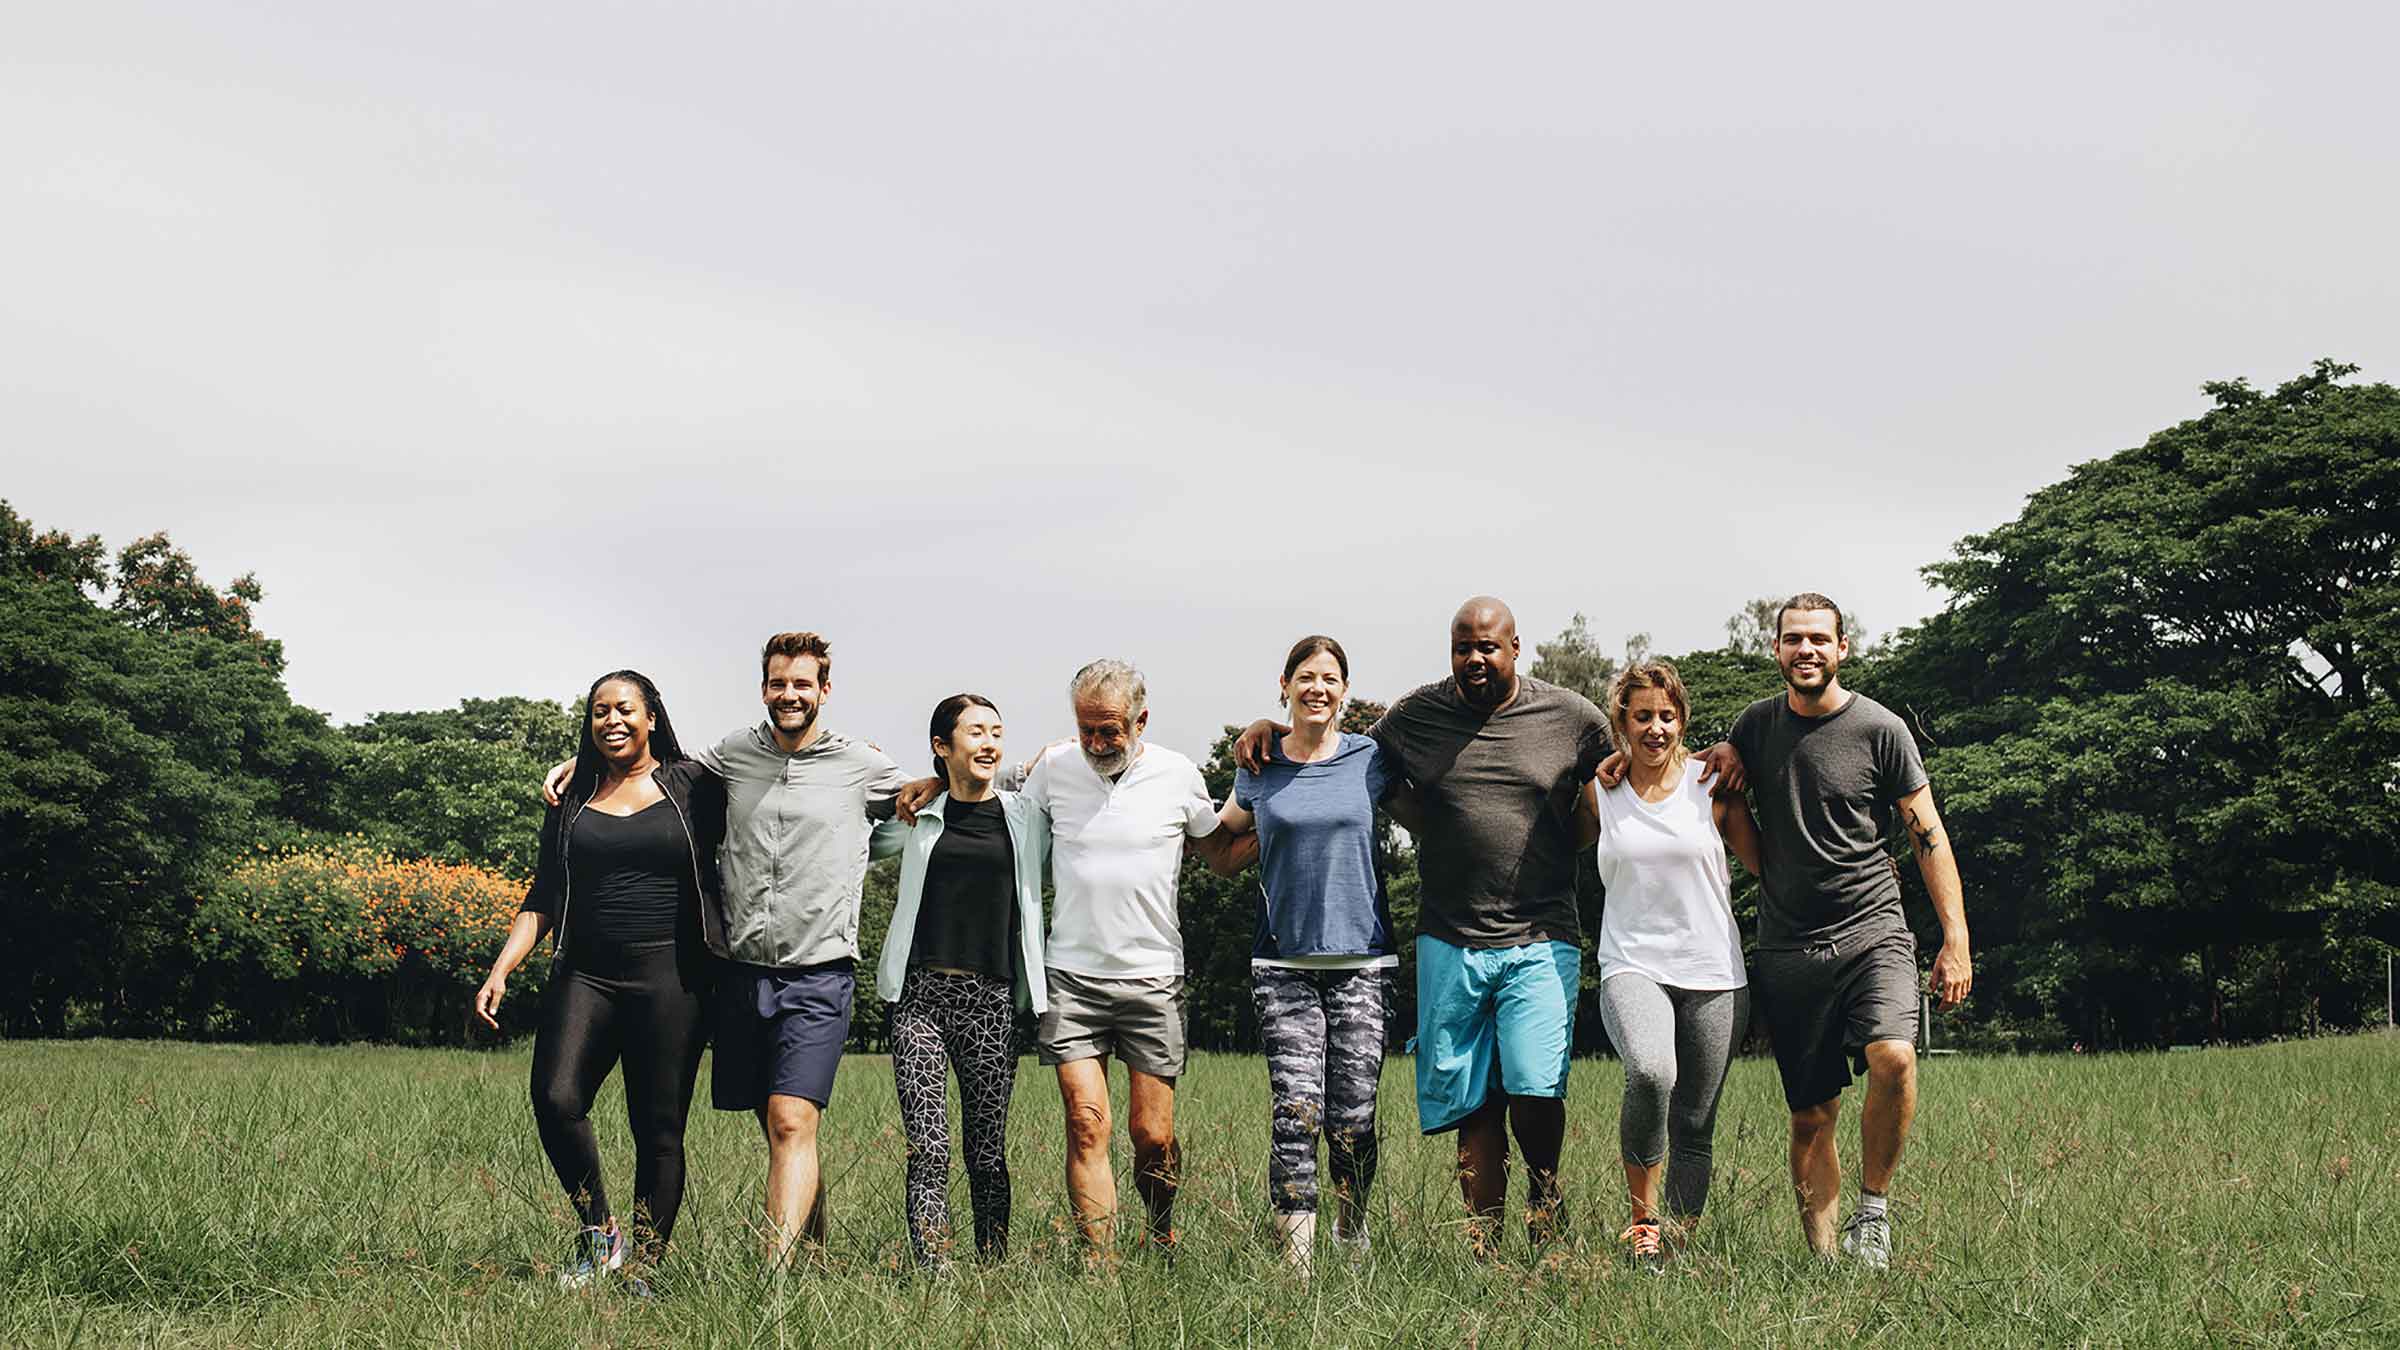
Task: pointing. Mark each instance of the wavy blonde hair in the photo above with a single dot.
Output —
(1659, 675)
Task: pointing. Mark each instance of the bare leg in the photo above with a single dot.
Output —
(1641, 1183)
(795, 1184)
(1540, 1124)
(1091, 1185)
(1483, 1173)
(1891, 1107)
(1157, 1157)
(1816, 1172)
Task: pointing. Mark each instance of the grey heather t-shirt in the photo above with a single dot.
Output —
(1826, 789)
(1497, 853)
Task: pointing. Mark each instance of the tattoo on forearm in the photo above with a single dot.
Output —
(1928, 837)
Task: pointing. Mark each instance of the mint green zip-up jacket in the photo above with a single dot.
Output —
(1028, 840)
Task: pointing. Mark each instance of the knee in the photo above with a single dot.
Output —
(791, 1123)
(1813, 1123)
(661, 1135)
(1891, 1064)
(1356, 1142)
(1295, 1119)
(557, 1103)
(1648, 1080)
(1491, 1118)
(1088, 1126)
(1152, 1141)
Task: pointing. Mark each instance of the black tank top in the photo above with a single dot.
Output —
(630, 876)
(966, 918)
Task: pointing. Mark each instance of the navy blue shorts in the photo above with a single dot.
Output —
(780, 1033)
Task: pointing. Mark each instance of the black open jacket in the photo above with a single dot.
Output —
(698, 798)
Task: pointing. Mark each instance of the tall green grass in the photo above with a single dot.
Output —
(175, 1194)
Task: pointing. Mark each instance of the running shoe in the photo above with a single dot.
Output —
(1643, 1245)
(1867, 1239)
(598, 1252)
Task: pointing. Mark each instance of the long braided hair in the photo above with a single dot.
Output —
(590, 764)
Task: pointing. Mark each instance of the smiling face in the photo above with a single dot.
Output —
(621, 723)
(1483, 655)
(971, 753)
(1809, 648)
(1109, 737)
(794, 693)
(1650, 727)
(1314, 690)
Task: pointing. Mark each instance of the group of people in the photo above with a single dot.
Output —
(717, 895)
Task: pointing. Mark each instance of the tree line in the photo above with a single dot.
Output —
(2157, 708)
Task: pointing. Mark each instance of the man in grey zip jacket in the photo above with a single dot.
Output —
(801, 807)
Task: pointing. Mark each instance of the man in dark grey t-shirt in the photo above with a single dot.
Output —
(1836, 972)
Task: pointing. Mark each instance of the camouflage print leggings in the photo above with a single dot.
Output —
(1323, 1033)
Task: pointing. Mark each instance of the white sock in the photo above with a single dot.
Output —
(1871, 1205)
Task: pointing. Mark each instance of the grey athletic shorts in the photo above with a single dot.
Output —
(1827, 1002)
(1138, 1020)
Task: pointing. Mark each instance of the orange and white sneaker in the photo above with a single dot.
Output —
(1643, 1245)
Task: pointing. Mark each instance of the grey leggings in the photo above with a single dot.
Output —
(1676, 1045)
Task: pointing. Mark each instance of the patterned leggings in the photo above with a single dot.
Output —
(949, 1019)
(1323, 1033)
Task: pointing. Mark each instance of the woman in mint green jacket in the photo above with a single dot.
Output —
(964, 954)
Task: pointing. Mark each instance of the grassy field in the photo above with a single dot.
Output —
(178, 1194)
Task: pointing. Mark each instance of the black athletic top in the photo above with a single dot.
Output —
(966, 918)
(631, 877)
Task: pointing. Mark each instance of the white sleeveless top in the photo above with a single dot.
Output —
(1669, 911)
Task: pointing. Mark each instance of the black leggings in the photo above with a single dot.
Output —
(645, 1006)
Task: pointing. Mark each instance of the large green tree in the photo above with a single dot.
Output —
(2161, 710)
(458, 784)
(145, 734)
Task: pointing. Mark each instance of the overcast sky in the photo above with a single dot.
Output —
(513, 342)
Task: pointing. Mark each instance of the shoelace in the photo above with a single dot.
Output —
(603, 1249)
(1642, 1236)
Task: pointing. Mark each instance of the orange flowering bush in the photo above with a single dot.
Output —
(347, 935)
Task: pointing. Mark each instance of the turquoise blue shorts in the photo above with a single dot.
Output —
(1500, 1019)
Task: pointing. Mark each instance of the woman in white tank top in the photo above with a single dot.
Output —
(1672, 989)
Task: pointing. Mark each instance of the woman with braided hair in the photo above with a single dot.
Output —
(626, 888)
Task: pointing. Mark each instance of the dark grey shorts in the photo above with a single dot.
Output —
(780, 1033)
(1139, 1020)
(1826, 1003)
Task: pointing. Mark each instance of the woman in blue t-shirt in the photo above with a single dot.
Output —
(1321, 966)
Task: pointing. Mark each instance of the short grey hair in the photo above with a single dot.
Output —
(1112, 680)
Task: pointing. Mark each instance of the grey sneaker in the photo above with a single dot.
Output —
(598, 1252)
(1867, 1239)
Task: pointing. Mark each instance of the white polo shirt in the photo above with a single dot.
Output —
(1115, 849)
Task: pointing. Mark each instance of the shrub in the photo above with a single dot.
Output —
(334, 940)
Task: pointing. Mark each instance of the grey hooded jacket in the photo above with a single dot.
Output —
(799, 828)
